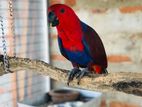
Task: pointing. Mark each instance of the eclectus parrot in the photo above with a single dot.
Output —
(78, 42)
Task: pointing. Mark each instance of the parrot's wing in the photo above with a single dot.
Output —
(62, 50)
(93, 45)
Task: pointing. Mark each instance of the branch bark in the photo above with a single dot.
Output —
(127, 82)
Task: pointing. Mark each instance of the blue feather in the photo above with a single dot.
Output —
(79, 57)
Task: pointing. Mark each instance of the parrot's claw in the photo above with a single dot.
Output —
(81, 74)
(72, 74)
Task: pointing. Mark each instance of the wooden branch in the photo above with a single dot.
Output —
(127, 82)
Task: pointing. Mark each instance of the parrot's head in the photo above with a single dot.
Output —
(60, 14)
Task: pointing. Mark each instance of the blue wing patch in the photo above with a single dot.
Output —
(62, 50)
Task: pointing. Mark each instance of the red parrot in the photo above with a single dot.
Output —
(78, 42)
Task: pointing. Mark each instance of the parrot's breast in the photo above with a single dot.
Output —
(73, 45)
(71, 40)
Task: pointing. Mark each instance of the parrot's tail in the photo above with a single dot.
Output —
(98, 69)
(105, 71)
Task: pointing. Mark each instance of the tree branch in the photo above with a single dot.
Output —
(127, 82)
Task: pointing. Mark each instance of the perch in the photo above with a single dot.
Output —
(127, 82)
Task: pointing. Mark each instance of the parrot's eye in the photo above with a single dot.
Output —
(62, 10)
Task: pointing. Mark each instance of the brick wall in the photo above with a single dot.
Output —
(119, 24)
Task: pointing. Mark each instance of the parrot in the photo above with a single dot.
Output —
(78, 42)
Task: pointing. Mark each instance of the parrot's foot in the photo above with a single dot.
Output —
(81, 74)
(72, 74)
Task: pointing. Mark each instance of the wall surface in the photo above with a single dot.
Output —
(119, 24)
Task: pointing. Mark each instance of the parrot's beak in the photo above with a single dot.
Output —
(53, 19)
